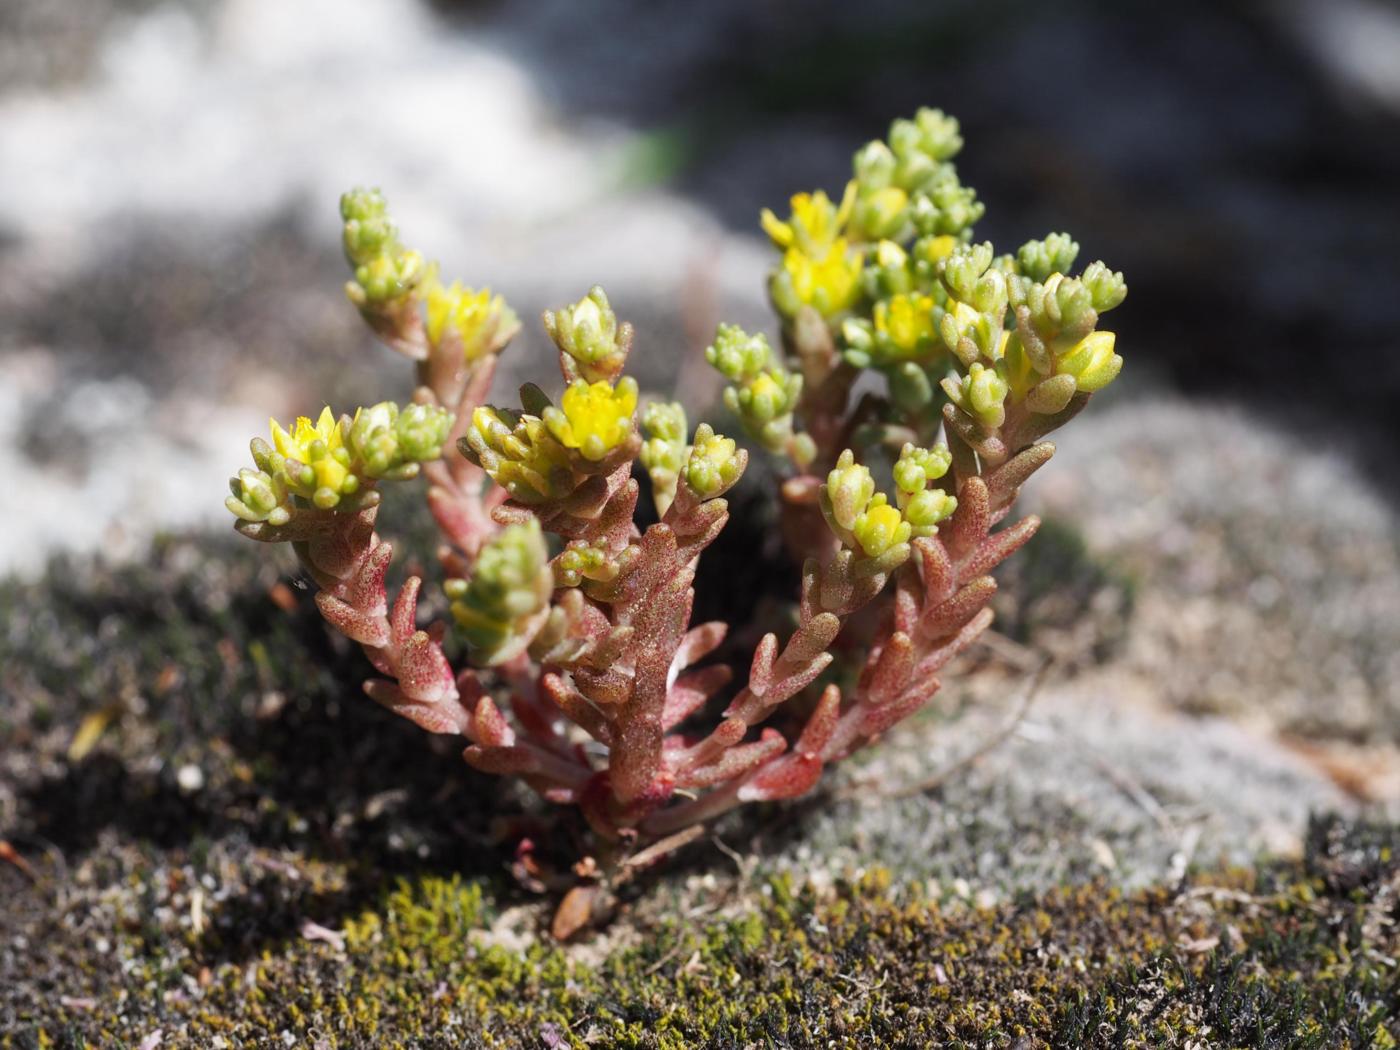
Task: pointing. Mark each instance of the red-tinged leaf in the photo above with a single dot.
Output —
(935, 659)
(761, 669)
(877, 720)
(690, 691)
(710, 519)
(725, 736)
(891, 670)
(488, 726)
(816, 734)
(338, 549)
(950, 616)
(446, 717)
(503, 761)
(792, 684)
(534, 717)
(365, 587)
(355, 625)
(935, 569)
(614, 526)
(608, 688)
(813, 637)
(811, 589)
(403, 619)
(612, 643)
(636, 762)
(787, 777)
(423, 671)
(587, 501)
(1004, 482)
(698, 643)
(969, 524)
(735, 762)
(997, 547)
(575, 708)
(451, 516)
(907, 594)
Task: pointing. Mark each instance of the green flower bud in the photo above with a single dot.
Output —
(257, 496)
(714, 463)
(981, 394)
(1054, 254)
(507, 597)
(373, 440)
(939, 134)
(386, 277)
(765, 397)
(384, 270)
(579, 562)
(738, 355)
(590, 334)
(963, 269)
(924, 510)
(663, 452)
(847, 492)
(986, 391)
(874, 166)
(390, 444)
(368, 230)
(916, 467)
(858, 335)
(948, 208)
(1106, 287)
(360, 204)
(422, 430)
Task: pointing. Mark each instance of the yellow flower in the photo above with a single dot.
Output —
(1091, 361)
(320, 446)
(880, 527)
(815, 223)
(829, 284)
(931, 249)
(482, 322)
(594, 418)
(906, 321)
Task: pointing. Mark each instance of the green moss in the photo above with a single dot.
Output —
(1294, 955)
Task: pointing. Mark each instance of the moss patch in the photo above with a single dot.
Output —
(1298, 955)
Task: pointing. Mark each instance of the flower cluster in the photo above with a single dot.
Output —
(762, 392)
(588, 679)
(332, 462)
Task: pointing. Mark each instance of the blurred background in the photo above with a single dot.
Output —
(170, 271)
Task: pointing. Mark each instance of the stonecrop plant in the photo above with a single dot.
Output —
(587, 678)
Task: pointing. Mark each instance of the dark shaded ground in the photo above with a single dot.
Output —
(1297, 956)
